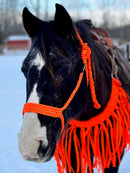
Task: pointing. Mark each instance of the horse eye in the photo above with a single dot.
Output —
(64, 72)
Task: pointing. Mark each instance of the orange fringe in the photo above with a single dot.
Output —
(107, 135)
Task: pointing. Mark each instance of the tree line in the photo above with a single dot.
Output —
(11, 22)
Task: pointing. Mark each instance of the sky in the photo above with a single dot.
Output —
(84, 4)
(118, 11)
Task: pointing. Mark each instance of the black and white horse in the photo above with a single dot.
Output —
(52, 68)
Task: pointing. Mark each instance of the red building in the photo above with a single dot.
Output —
(18, 42)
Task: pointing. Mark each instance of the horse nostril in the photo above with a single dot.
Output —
(42, 150)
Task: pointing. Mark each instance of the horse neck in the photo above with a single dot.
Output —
(102, 90)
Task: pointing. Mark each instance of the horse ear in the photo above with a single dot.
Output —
(31, 23)
(63, 25)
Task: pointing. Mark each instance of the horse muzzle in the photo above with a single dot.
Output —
(32, 140)
(35, 152)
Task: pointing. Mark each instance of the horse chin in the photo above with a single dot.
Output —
(47, 157)
(39, 158)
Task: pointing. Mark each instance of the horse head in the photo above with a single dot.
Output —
(51, 68)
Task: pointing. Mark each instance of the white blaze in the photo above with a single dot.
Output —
(38, 61)
(31, 131)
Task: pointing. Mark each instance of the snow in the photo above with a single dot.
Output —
(12, 98)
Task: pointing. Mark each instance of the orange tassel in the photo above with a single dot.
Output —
(107, 134)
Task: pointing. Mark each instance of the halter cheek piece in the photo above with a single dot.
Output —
(58, 112)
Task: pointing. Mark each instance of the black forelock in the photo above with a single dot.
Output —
(55, 50)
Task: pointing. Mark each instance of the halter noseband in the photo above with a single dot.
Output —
(58, 112)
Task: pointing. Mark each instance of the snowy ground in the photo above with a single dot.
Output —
(12, 98)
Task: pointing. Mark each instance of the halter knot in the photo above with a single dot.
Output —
(86, 52)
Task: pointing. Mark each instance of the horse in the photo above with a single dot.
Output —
(52, 69)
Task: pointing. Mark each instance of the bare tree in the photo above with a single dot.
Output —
(8, 19)
(106, 14)
(46, 9)
(36, 5)
(76, 6)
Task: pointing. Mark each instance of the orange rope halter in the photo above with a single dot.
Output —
(106, 134)
(57, 112)
(50, 110)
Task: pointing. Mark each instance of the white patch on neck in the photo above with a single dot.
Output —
(38, 61)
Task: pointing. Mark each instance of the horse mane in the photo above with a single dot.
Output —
(102, 69)
(100, 57)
